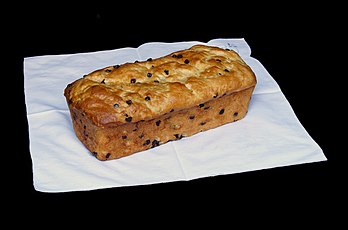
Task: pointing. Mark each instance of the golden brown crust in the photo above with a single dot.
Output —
(144, 90)
(120, 110)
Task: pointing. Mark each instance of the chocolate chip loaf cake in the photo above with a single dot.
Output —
(123, 109)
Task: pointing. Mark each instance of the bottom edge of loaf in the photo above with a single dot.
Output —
(107, 143)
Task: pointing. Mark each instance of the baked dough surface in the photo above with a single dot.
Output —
(123, 109)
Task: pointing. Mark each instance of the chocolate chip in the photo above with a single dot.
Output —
(108, 70)
(107, 155)
(178, 136)
(133, 80)
(201, 105)
(187, 61)
(158, 122)
(177, 55)
(215, 96)
(155, 143)
(235, 114)
(222, 111)
(147, 142)
(156, 81)
(136, 61)
(172, 110)
(226, 70)
(149, 59)
(192, 117)
(147, 98)
(84, 75)
(203, 123)
(128, 119)
(206, 107)
(84, 127)
(218, 60)
(129, 102)
(166, 71)
(103, 81)
(116, 66)
(149, 75)
(95, 153)
(124, 137)
(116, 105)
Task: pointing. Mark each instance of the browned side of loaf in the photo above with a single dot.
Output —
(112, 142)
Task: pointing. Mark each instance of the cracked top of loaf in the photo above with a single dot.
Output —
(144, 90)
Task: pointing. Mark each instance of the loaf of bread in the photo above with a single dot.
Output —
(130, 107)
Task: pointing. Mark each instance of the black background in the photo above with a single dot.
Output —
(294, 42)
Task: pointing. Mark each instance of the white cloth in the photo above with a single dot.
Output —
(269, 136)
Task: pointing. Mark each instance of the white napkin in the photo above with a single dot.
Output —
(269, 136)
